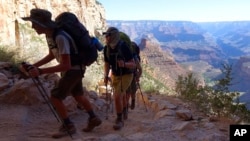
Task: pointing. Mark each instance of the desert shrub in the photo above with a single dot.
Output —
(187, 86)
(217, 99)
(7, 54)
(151, 85)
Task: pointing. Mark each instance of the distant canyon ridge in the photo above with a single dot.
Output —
(171, 48)
(199, 47)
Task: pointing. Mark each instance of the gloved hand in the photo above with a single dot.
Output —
(34, 72)
(30, 69)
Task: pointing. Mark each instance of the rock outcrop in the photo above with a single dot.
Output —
(90, 12)
(26, 116)
(160, 64)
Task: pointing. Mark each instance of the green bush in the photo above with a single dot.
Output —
(217, 99)
(150, 84)
(187, 86)
(8, 55)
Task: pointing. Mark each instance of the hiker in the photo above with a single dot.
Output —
(131, 92)
(119, 59)
(71, 75)
(125, 38)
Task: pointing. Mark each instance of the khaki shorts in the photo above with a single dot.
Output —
(121, 83)
(132, 88)
(70, 83)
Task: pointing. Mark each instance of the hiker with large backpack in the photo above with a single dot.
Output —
(118, 59)
(62, 48)
(131, 92)
(125, 38)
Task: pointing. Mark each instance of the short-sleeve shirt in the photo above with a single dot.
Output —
(59, 46)
(121, 51)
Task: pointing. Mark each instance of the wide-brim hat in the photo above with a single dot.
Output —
(41, 17)
(110, 31)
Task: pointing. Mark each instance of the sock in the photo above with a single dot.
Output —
(67, 121)
(91, 114)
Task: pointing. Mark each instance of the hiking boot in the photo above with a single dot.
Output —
(65, 130)
(93, 122)
(125, 115)
(132, 104)
(118, 125)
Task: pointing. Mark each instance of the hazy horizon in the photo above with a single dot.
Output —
(177, 10)
(185, 21)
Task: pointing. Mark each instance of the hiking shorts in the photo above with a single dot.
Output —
(121, 83)
(69, 84)
(132, 88)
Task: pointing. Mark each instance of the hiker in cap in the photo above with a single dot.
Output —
(131, 91)
(119, 61)
(71, 76)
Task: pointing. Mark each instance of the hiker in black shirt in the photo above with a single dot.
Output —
(119, 59)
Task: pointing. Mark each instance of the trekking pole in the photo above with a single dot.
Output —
(41, 90)
(43, 93)
(107, 100)
(110, 96)
(142, 95)
(111, 92)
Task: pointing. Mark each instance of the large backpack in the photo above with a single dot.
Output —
(125, 38)
(136, 51)
(133, 47)
(84, 46)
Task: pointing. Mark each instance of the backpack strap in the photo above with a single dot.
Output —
(68, 37)
(71, 43)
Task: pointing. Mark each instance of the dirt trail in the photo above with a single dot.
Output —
(37, 123)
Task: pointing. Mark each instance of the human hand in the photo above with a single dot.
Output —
(121, 63)
(30, 69)
(34, 71)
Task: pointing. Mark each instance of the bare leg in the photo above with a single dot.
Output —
(60, 108)
(118, 103)
(84, 102)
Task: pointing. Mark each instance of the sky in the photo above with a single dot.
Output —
(178, 10)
